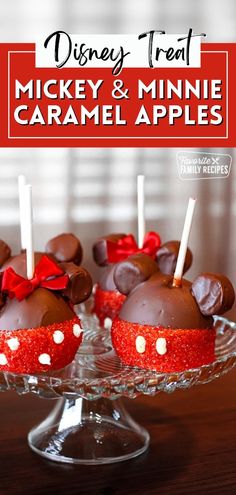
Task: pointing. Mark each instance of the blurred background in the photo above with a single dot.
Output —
(93, 191)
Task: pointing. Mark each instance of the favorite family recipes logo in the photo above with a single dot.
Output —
(195, 165)
(150, 89)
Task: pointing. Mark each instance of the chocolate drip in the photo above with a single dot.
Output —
(167, 257)
(100, 248)
(155, 302)
(214, 293)
(134, 270)
(65, 248)
(41, 308)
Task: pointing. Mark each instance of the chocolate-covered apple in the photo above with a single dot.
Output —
(39, 329)
(164, 327)
(109, 250)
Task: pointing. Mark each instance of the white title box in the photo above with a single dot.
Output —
(117, 51)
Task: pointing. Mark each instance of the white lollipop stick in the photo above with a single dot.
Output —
(141, 212)
(21, 191)
(184, 243)
(29, 232)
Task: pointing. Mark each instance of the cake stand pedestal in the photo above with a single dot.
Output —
(89, 424)
(89, 432)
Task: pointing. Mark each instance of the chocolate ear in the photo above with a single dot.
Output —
(167, 256)
(100, 248)
(65, 248)
(80, 283)
(132, 271)
(5, 252)
(214, 293)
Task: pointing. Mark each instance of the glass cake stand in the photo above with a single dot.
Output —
(89, 424)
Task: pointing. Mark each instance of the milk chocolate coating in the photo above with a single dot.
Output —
(18, 263)
(65, 248)
(155, 302)
(5, 252)
(167, 257)
(134, 270)
(106, 280)
(214, 293)
(100, 248)
(41, 308)
(2, 301)
(80, 283)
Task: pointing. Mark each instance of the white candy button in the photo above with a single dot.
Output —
(107, 323)
(44, 359)
(58, 336)
(77, 330)
(140, 344)
(161, 346)
(3, 359)
(13, 343)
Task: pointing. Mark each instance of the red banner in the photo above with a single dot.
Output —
(142, 107)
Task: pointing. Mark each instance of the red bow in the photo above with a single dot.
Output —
(47, 274)
(119, 251)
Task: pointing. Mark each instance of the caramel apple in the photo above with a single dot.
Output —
(109, 250)
(39, 329)
(165, 327)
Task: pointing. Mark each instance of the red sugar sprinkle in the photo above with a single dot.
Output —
(34, 342)
(107, 303)
(185, 348)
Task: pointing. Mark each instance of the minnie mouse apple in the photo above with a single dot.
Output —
(39, 328)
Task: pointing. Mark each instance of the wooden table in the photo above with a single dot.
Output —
(193, 448)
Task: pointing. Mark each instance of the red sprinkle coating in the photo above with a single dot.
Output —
(30, 344)
(107, 303)
(185, 348)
